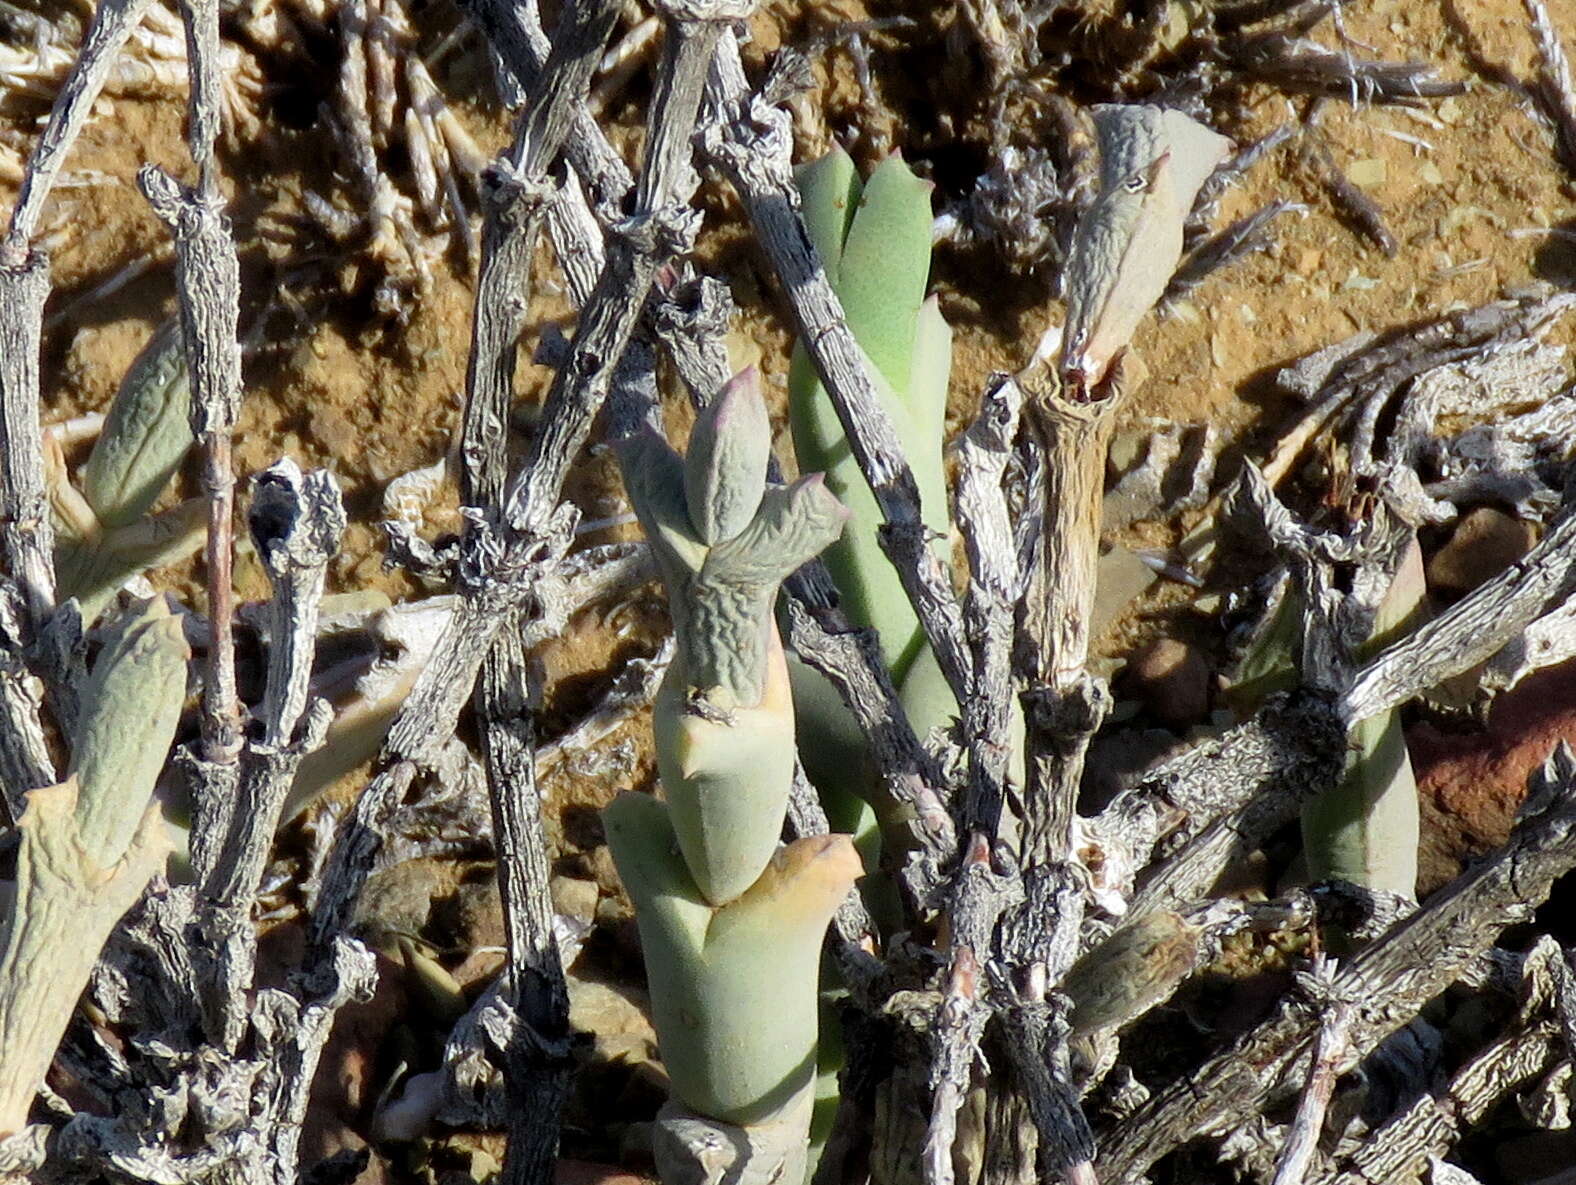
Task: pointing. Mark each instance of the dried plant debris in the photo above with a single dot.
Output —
(1196, 59)
(38, 48)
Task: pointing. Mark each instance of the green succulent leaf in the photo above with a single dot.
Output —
(146, 433)
(130, 708)
(828, 191)
(733, 988)
(94, 570)
(654, 477)
(725, 467)
(869, 586)
(885, 267)
(1365, 829)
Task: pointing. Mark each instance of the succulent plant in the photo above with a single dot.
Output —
(731, 924)
(1153, 161)
(1365, 829)
(874, 240)
(89, 846)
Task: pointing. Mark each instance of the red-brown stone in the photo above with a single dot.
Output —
(1470, 783)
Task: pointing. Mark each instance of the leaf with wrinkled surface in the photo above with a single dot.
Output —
(794, 524)
(725, 466)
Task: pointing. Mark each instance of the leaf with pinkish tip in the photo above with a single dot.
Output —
(725, 467)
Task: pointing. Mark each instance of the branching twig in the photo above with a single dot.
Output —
(1303, 1139)
(535, 1059)
(1472, 629)
(297, 520)
(208, 279)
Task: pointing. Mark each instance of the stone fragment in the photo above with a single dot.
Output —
(1470, 784)
(1484, 544)
(1172, 680)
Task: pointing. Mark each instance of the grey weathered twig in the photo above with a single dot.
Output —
(1429, 1125)
(955, 1037)
(1350, 200)
(994, 588)
(25, 763)
(1237, 241)
(208, 280)
(112, 24)
(1302, 1141)
(26, 531)
(1557, 90)
(849, 658)
(535, 1059)
(1074, 438)
(297, 520)
(1297, 64)
(516, 35)
(1218, 801)
(209, 288)
(1471, 630)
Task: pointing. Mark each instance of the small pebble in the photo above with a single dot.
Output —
(1484, 544)
(1172, 680)
(1368, 173)
(575, 897)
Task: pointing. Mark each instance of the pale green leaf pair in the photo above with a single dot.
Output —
(724, 540)
(874, 241)
(106, 532)
(733, 988)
